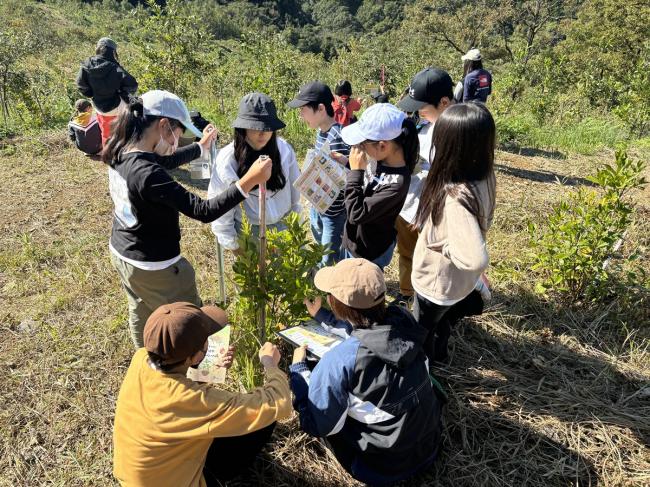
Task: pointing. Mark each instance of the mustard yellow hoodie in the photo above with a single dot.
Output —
(165, 423)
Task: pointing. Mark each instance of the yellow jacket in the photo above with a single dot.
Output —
(165, 423)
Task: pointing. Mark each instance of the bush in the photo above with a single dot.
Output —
(573, 252)
(513, 132)
(291, 258)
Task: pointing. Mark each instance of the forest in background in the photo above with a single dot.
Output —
(568, 75)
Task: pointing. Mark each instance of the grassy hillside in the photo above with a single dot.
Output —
(543, 392)
(540, 394)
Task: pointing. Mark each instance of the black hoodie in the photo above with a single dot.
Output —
(373, 400)
(106, 82)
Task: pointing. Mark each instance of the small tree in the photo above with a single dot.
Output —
(291, 258)
(14, 46)
(572, 252)
(175, 45)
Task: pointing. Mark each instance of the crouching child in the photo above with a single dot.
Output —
(371, 398)
(83, 128)
(171, 431)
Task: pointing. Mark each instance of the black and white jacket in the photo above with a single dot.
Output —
(372, 398)
(373, 200)
(148, 202)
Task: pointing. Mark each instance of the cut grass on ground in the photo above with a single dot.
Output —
(538, 395)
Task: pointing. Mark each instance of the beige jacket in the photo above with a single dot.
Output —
(450, 257)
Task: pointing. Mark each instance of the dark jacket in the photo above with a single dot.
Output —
(148, 202)
(373, 400)
(477, 85)
(106, 82)
(373, 206)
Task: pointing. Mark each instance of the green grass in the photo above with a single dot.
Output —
(540, 394)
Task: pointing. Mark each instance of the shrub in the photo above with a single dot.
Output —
(573, 252)
(291, 258)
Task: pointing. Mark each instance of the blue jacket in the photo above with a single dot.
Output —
(477, 85)
(372, 398)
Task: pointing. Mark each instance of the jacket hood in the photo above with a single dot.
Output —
(397, 341)
(98, 66)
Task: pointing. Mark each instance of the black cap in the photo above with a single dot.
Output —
(257, 111)
(312, 92)
(427, 87)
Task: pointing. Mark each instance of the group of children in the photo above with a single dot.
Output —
(427, 188)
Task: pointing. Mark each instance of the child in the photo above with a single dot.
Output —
(83, 128)
(477, 82)
(454, 215)
(429, 94)
(344, 105)
(172, 431)
(315, 103)
(145, 240)
(106, 82)
(255, 135)
(371, 398)
(373, 202)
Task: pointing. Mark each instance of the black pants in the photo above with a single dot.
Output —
(439, 320)
(228, 457)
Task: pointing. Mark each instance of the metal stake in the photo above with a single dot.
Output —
(262, 212)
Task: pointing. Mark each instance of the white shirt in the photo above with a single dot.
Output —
(278, 203)
(418, 179)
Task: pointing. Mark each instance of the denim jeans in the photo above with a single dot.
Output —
(328, 230)
(382, 261)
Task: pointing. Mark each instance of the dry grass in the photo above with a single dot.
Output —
(539, 395)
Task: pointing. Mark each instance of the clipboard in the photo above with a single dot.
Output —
(318, 340)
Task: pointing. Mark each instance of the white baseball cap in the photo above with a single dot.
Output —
(472, 55)
(161, 103)
(382, 121)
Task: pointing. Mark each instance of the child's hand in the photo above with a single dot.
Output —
(226, 358)
(358, 159)
(340, 158)
(313, 306)
(210, 134)
(299, 354)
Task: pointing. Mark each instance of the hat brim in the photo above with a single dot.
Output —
(269, 125)
(324, 278)
(409, 104)
(352, 134)
(296, 103)
(192, 128)
(216, 315)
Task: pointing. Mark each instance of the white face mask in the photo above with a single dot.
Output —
(163, 148)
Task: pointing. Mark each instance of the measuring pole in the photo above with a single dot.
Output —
(220, 261)
(262, 212)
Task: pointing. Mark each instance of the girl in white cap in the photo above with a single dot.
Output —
(477, 82)
(255, 135)
(375, 193)
(145, 241)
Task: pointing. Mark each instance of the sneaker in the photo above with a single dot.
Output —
(404, 301)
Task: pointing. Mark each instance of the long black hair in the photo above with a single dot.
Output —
(409, 142)
(245, 156)
(464, 138)
(128, 128)
(469, 66)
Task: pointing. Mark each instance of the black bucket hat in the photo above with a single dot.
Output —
(257, 112)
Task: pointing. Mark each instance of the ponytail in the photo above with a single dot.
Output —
(410, 144)
(128, 128)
